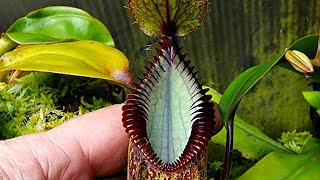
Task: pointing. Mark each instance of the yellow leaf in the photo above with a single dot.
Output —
(81, 58)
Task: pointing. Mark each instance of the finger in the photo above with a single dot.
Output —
(100, 136)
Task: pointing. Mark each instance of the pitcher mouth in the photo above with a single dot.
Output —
(169, 117)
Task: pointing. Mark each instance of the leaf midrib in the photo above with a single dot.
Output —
(304, 165)
(264, 139)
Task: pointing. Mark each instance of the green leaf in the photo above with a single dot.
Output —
(240, 86)
(82, 58)
(308, 46)
(313, 98)
(215, 95)
(57, 10)
(58, 23)
(246, 80)
(279, 165)
(243, 83)
(6, 44)
(250, 141)
(174, 17)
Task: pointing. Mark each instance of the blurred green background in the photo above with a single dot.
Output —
(235, 35)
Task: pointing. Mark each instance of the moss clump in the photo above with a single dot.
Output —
(214, 169)
(40, 101)
(239, 166)
(295, 140)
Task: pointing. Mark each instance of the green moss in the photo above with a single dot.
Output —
(40, 101)
(214, 169)
(295, 140)
(239, 166)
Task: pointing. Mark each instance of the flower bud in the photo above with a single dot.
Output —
(299, 61)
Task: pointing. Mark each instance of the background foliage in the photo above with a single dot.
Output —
(234, 36)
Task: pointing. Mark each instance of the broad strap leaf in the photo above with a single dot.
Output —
(257, 144)
(168, 17)
(6, 44)
(82, 58)
(168, 116)
(313, 98)
(57, 10)
(246, 80)
(58, 23)
(281, 165)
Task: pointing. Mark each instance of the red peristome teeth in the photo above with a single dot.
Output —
(136, 108)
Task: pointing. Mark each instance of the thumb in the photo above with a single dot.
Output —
(100, 136)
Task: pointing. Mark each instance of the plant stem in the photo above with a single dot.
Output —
(16, 74)
(229, 147)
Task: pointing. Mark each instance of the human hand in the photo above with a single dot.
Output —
(87, 146)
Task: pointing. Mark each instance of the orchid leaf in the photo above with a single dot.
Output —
(313, 98)
(308, 46)
(246, 80)
(242, 84)
(250, 141)
(288, 166)
(174, 17)
(56, 24)
(82, 58)
(168, 116)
